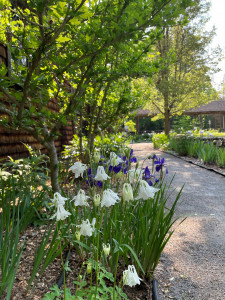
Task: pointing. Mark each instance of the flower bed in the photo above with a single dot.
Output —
(111, 215)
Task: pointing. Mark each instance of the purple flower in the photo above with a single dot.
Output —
(150, 183)
(147, 173)
(125, 170)
(159, 164)
(99, 183)
(133, 159)
(117, 169)
(153, 157)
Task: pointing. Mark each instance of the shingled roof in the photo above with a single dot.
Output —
(213, 107)
(143, 112)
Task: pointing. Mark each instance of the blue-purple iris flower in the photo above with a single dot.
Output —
(159, 164)
(132, 158)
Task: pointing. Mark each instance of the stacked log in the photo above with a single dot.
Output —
(12, 141)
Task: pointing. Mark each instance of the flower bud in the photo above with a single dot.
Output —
(106, 249)
(127, 152)
(127, 192)
(97, 157)
(89, 268)
(118, 175)
(77, 235)
(97, 199)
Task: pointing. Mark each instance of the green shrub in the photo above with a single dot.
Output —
(221, 157)
(160, 140)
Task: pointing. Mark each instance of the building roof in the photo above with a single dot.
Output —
(143, 113)
(213, 107)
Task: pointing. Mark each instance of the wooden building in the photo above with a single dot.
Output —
(142, 113)
(12, 141)
(214, 109)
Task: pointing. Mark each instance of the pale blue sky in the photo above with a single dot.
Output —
(217, 13)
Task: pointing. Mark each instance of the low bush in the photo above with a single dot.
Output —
(160, 141)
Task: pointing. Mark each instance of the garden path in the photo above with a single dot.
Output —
(192, 265)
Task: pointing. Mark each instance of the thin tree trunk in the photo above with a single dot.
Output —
(54, 165)
(166, 115)
(167, 122)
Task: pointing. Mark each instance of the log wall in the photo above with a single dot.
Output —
(12, 141)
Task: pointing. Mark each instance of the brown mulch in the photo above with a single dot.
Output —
(32, 237)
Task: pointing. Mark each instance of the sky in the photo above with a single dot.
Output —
(217, 14)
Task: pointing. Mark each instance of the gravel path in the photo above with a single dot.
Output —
(192, 265)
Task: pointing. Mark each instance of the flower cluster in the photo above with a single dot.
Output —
(59, 202)
(104, 179)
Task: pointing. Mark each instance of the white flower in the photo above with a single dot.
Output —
(201, 131)
(135, 174)
(127, 192)
(97, 157)
(97, 199)
(61, 213)
(106, 249)
(114, 159)
(81, 199)
(101, 174)
(109, 198)
(58, 199)
(78, 169)
(146, 191)
(130, 277)
(86, 228)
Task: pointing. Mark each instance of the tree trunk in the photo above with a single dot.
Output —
(167, 122)
(54, 165)
(166, 114)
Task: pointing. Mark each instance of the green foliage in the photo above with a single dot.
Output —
(207, 153)
(196, 147)
(10, 247)
(144, 137)
(29, 173)
(103, 143)
(179, 144)
(160, 140)
(82, 54)
(131, 126)
(83, 291)
(183, 123)
(221, 157)
(111, 143)
(185, 58)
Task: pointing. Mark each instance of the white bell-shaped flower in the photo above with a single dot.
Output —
(81, 199)
(61, 213)
(58, 199)
(101, 174)
(114, 159)
(127, 192)
(106, 249)
(78, 169)
(86, 228)
(135, 174)
(109, 198)
(130, 277)
(145, 191)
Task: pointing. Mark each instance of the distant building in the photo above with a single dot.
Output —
(214, 109)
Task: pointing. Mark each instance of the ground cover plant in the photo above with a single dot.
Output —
(111, 211)
(206, 150)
